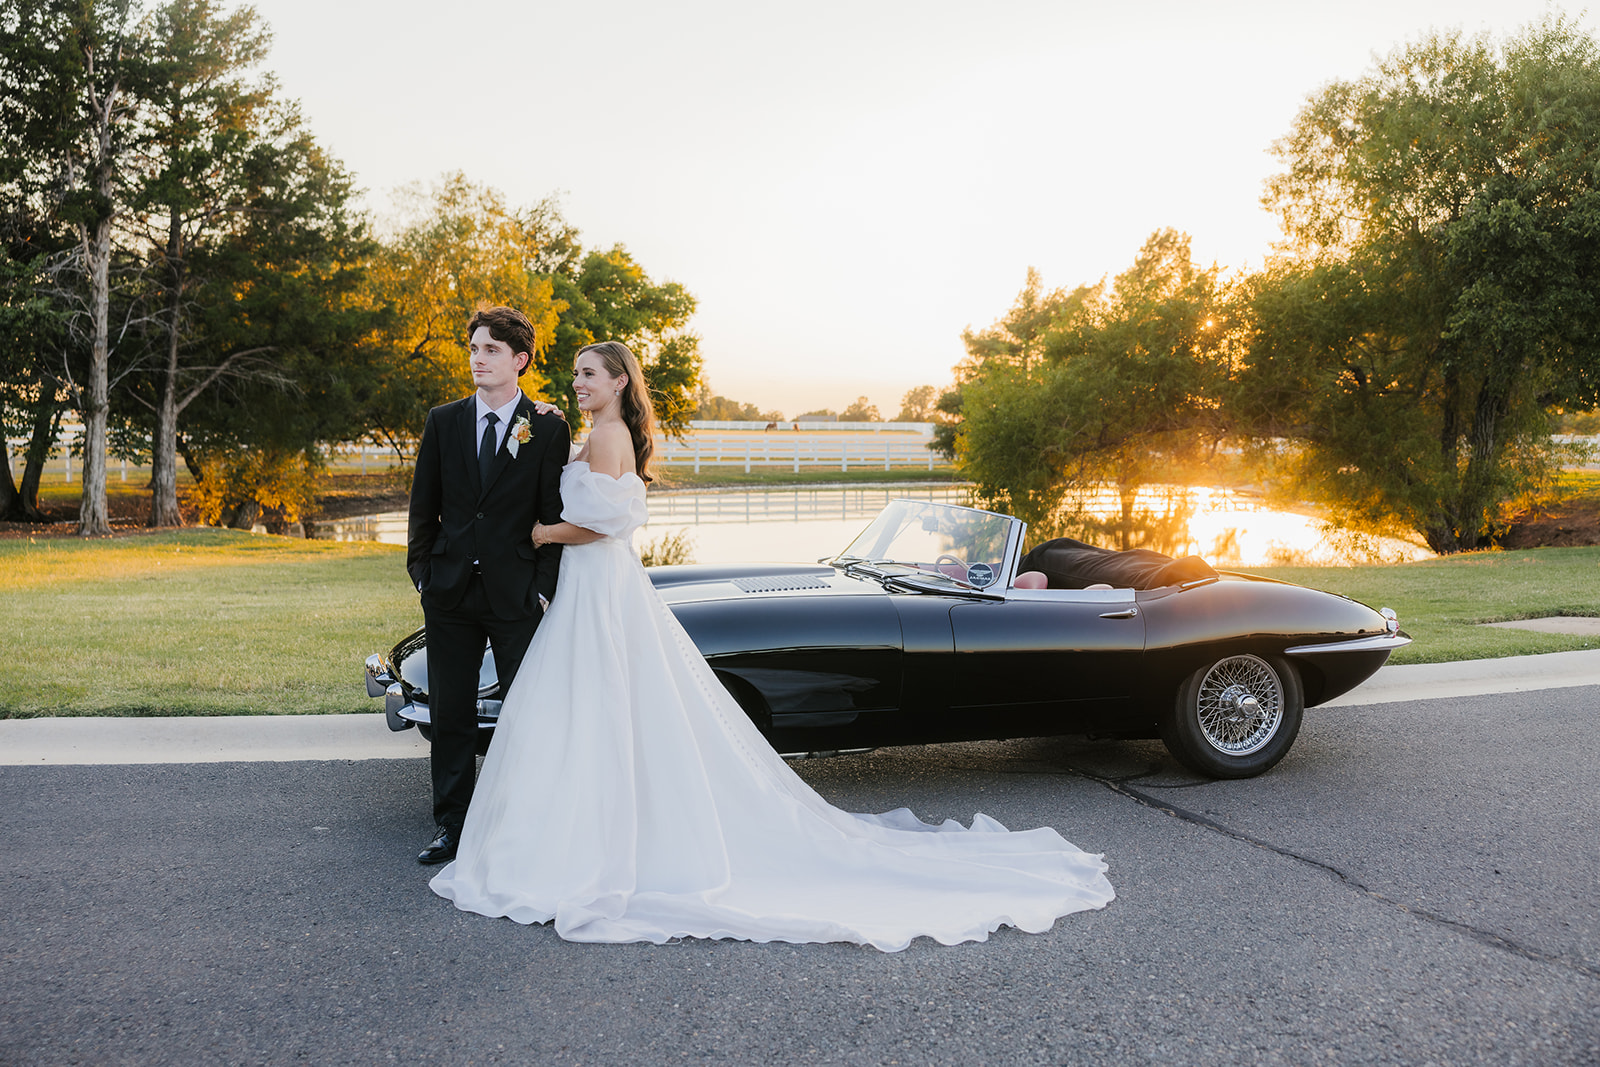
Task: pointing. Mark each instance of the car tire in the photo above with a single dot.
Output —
(426, 730)
(1235, 717)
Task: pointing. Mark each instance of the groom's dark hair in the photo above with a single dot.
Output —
(509, 326)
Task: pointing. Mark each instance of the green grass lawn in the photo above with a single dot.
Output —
(1571, 484)
(125, 499)
(195, 622)
(215, 622)
(1441, 602)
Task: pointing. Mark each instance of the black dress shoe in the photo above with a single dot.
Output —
(441, 848)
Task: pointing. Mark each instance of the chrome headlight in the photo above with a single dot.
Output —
(378, 675)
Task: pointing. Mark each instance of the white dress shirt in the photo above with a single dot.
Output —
(503, 414)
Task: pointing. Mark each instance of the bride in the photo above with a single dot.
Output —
(627, 797)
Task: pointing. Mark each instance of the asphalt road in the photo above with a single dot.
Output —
(1418, 883)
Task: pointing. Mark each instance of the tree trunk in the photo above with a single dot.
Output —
(164, 464)
(10, 499)
(22, 504)
(1479, 495)
(46, 424)
(244, 516)
(164, 438)
(1127, 495)
(93, 514)
(1443, 533)
(1450, 426)
(190, 461)
(1441, 538)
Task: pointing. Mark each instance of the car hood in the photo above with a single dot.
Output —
(692, 583)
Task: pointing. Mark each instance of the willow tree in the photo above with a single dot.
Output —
(1437, 291)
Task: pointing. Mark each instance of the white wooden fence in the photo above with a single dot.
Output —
(792, 450)
(813, 425)
(796, 450)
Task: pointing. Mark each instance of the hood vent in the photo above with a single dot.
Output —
(779, 583)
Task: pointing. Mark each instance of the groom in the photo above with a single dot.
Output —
(489, 467)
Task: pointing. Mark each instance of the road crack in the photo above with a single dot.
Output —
(1485, 937)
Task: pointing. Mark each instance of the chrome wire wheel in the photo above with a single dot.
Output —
(1239, 706)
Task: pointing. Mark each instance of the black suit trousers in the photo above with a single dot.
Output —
(455, 649)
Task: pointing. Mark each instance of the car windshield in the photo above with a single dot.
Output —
(939, 543)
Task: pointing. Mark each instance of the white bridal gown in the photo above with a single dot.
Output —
(627, 797)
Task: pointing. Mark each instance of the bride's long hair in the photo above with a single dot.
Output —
(637, 411)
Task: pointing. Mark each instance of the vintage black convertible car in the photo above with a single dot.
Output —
(920, 631)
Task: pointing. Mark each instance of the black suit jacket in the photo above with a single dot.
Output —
(455, 520)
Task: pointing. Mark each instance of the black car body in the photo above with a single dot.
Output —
(917, 633)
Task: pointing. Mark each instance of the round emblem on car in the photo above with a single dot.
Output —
(980, 575)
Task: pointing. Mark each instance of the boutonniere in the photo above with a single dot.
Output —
(518, 435)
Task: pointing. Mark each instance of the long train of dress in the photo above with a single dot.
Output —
(627, 796)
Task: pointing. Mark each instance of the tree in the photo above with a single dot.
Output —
(714, 408)
(947, 422)
(918, 404)
(1581, 422)
(32, 333)
(457, 247)
(462, 247)
(1078, 389)
(284, 288)
(1017, 339)
(863, 410)
(209, 135)
(1020, 336)
(70, 78)
(1437, 292)
(609, 297)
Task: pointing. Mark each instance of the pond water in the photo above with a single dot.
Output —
(1228, 528)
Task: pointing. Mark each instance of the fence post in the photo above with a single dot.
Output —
(747, 455)
(844, 455)
(797, 455)
(697, 455)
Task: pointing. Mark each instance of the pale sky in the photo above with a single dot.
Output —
(845, 186)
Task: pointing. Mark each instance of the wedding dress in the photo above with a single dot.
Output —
(627, 796)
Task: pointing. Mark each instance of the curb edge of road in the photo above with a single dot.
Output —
(95, 740)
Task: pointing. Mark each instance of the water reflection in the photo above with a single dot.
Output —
(385, 527)
(1226, 527)
(1230, 528)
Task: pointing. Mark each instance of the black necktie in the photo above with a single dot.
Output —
(486, 449)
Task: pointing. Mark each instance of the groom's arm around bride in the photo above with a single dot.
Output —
(488, 468)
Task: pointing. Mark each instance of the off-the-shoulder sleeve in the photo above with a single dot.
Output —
(611, 506)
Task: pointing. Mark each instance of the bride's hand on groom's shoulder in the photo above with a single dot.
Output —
(544, 407)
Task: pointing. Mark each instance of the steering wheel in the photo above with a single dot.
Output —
(947, 557)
